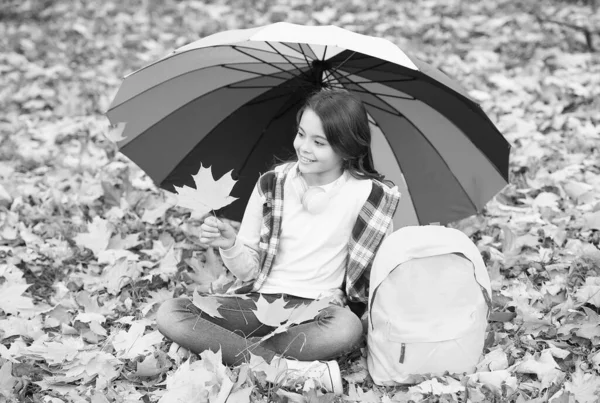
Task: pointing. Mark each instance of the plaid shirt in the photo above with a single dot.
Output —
(369, 230)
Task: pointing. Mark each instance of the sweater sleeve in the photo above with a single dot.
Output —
(242, 259)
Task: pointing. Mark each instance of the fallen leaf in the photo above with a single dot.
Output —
(131, 343)
(150, 216)
(584, 386)
(97, 237)
(241, 395)
(435, 387)
(208, 194)
(575, 190)
(12, 302)
(128, 242)
(356, 394)
(589, 292)
(493, 361)
(115, 132)
(592, 220)
(495, 380)
(208, 271)
(116, 276)
(546, 199)
(306, 312)
(207, 304)
(149, 367)
(272, 314)
(7, 381)
(543, 366)
(271, 370)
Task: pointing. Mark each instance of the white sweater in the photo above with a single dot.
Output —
(312, 254)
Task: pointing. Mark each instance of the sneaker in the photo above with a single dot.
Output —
(326, 373)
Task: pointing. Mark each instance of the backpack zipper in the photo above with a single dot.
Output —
(402, 351)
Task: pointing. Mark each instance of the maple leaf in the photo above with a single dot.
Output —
(589, 292)
(585, 387)
(208, 194)
(151, 366)
(271, 370)
(130, 344)
(118, 275)
(495, 380)
(12, 302)
(272, 314)
(208, 271)
(115, 132)
(448, 385)
(493, 361)
(306, 312)
(90, 304)
(208, 304)
(15, 325)
(241, 395)
(544, 366)
(168, 264)
(206, 380)
(100, 365)
(130, 241)
(97, 237)
(355, 393)
(275, 314)
(156, 297)
(358, 372)
(57, 352)
(7, 381)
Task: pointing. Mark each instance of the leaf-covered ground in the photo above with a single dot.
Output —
(89, 247)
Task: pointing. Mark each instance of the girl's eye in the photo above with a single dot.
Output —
(319, 143)
(300, 134)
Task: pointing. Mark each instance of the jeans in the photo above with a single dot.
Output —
(334, 331)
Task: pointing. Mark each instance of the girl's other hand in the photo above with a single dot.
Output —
(338, 297)
(214, 232)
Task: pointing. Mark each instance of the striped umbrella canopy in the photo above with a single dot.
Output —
(230, 100)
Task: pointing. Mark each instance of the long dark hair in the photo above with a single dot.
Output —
(346, 126)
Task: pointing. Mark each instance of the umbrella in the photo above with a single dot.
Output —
(229, 101)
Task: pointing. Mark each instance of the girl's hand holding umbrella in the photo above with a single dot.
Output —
(217, 233)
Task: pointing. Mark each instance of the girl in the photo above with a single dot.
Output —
(310, 231)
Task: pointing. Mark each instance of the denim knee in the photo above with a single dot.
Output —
(165, 316)
(344, 324)
(352, 326)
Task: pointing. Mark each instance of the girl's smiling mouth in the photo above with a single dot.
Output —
(305, 160)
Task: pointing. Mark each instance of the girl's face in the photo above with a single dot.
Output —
(318, 162)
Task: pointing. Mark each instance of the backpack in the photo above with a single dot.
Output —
(428, 306)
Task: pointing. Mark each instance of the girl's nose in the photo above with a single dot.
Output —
(304, 147)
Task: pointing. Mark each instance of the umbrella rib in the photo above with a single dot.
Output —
(258, 74)
(235, 86)
(379, 94)
(296, 50)
(262, 61)
(285, 57)
(305, 56)
(384, 81)
(327, 74)
(364, 69)
(336, 68)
